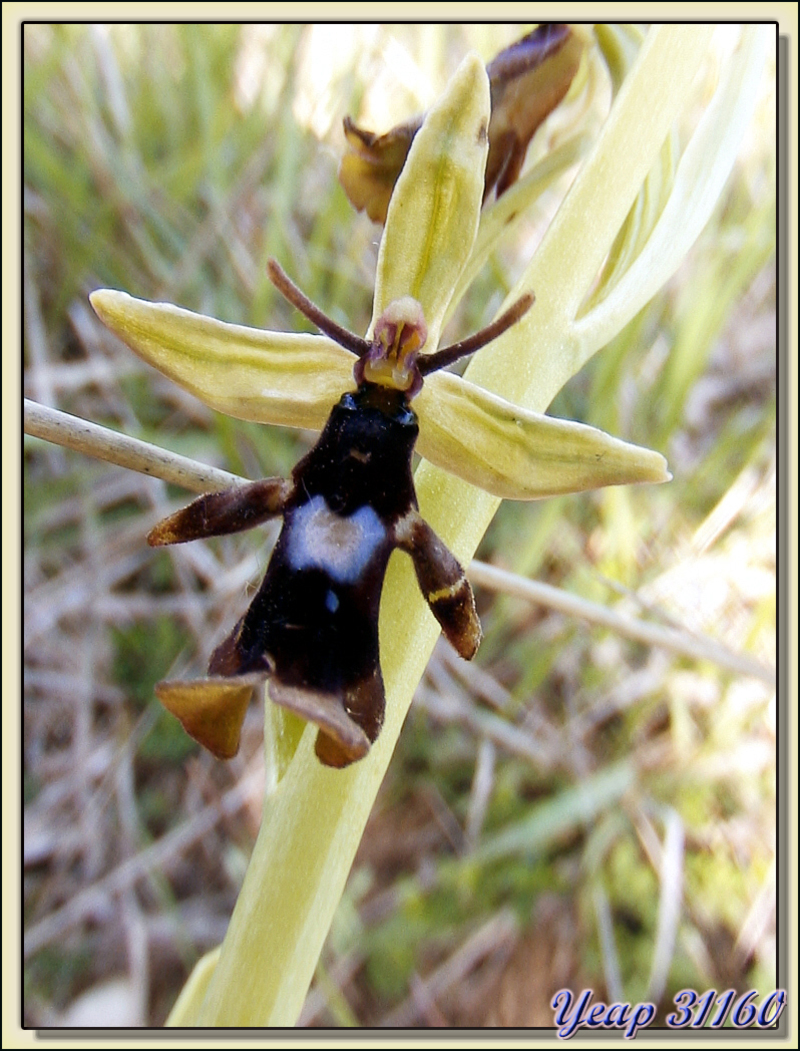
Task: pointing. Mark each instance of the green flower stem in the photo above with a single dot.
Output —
(314, 818)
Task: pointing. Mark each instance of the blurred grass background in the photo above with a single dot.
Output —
(575, 810)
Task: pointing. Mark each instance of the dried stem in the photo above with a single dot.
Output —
(53, 425)
(698, 647)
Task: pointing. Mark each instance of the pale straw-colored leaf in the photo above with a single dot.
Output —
(671, 878)
(701, 174)
(640, 222)
(619, 44)
(194, 990)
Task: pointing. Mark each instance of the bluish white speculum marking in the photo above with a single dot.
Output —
(342, 547)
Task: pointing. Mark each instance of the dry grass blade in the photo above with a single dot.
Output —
(156, 858)
(669, 904)
(608, 948)
(700, 648)
(450, 708)
(497, 935)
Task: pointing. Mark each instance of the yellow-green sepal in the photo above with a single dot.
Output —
(518, 454)
(269, 377)
(434, 211)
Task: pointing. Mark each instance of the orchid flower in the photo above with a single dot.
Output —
(630, 216)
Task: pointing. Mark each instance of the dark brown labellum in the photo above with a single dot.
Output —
(311, 631)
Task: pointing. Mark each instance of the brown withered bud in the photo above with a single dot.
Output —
(527, 81)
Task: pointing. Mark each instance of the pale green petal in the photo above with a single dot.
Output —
(434, 211)
(522, 455)
(269, 377)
